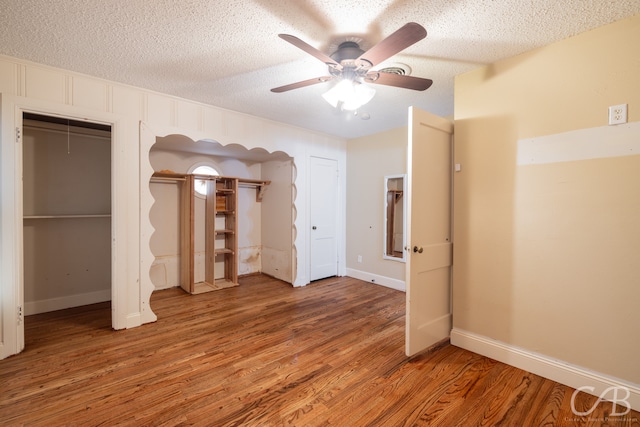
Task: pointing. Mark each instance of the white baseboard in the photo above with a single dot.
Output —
(378, 280)
(133, 320)
(52, 304)
(553, 369)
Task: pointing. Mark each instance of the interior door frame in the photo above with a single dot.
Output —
(11, 252)
(336, 213)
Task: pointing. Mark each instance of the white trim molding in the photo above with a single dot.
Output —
(539, 364)
(376, 279)
(60, 303)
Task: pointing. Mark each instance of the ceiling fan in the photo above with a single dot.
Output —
(352, 66)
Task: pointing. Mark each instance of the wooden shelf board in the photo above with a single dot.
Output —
(225, 283)
(247, 181)
(203, 287)
(224, 231)
(223, 251)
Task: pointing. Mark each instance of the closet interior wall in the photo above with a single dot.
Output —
(67, 214)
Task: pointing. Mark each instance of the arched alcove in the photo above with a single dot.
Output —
(265, 227)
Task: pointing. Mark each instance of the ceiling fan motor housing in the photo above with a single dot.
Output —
(347, 56)
(347, 50)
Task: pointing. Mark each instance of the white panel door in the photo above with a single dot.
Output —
(428, 275)
(323, 201)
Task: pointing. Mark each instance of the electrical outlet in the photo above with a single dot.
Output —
(618, 114)
(359, 258)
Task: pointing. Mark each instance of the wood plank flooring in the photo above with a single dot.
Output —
(267, 354)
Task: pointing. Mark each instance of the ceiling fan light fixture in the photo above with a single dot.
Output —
(349, 95)
(350, 67)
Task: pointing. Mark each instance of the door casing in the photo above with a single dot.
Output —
(11, 249)
(323, 213)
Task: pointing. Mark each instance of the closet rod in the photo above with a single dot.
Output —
(181, 176)
(67, 216)
(253, 184)
(98, 134)
(243, 184)
(169, 176)
(163, 180)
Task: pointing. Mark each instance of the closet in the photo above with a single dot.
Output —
(220, 228)
(67, 213)
(239, 223)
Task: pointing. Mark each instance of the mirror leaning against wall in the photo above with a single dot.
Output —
(394, 217)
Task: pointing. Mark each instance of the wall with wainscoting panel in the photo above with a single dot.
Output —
(139, 117)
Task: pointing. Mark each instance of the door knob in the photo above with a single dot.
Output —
(418, 249)
(314, 227)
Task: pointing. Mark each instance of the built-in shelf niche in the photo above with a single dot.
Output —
(221, 228)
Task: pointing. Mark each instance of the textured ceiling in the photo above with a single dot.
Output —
(228, 54)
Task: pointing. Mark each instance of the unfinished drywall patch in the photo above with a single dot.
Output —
(250, 260)
(581, 144)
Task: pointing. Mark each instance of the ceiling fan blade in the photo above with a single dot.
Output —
(397, 80)
(303, 83)
(309, 49)
(407, 35)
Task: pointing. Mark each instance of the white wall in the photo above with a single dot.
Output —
(139, 117)
(278, 257)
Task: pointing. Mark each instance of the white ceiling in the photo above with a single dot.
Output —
(228, 54)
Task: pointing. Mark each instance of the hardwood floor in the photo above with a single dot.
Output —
(267, 354)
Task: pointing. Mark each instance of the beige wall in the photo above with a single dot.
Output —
(369, 159)
(547, 204)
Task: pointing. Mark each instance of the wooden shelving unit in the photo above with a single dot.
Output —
(221, 229)
(221, 221)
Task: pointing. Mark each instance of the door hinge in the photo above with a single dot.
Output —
(20, 316)
(17, 135)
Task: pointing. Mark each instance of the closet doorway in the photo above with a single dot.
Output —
(67, 254)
